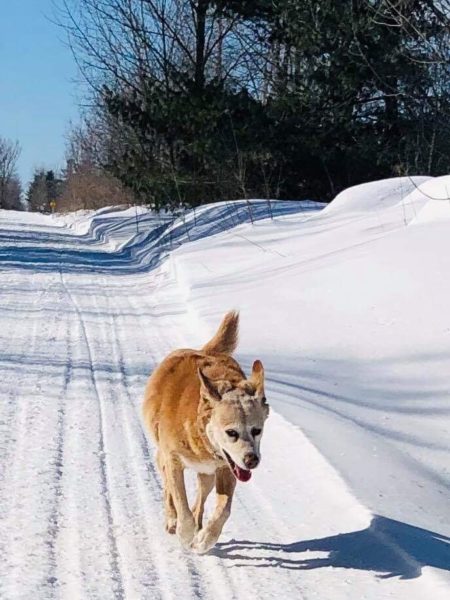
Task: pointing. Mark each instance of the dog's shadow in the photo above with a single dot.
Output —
(389, 548)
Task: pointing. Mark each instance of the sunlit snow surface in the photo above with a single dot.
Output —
(348, 308)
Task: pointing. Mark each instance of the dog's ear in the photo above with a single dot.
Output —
(257, 377)
(207, 388)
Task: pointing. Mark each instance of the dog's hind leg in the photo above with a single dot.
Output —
(185, 526)
(208, 536)
(169, 506)
(205, 484)
(171, 513)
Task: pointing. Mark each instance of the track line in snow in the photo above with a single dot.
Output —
(138, 450)
(54, 523)
(114, 554)
(27, 486)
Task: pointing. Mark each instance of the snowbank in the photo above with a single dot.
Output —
(348, 310)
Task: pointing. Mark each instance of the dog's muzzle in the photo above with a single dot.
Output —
(251, 460)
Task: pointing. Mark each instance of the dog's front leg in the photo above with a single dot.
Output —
(206, 538)
(205, 484)
(185, 521)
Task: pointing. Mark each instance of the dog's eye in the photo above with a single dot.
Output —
(255, 431)
(232, 433)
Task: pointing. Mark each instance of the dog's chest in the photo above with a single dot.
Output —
(207, 467)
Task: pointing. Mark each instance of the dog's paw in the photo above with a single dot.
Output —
(171, 526)
(185, 531)
(203, 541)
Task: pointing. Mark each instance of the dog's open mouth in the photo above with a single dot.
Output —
(240, 474)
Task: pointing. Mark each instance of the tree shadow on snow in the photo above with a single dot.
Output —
(387, 547)
(39, 251)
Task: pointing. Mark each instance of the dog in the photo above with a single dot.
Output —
(203, 414)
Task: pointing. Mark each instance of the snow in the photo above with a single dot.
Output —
(436, 198)
(347, 307)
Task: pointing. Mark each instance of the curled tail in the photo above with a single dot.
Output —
(226, 337)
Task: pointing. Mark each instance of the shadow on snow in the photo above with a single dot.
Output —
(144, 251)
(388, 547)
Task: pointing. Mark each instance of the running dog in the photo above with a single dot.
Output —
(205, 415)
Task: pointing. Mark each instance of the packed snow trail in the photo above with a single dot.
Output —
(80, 498)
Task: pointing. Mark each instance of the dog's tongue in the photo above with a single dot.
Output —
(241, 474)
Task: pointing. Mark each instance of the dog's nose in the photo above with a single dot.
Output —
(251, 460)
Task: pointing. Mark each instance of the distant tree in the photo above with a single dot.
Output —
(89, 187)
(87, 183)
(13, 195)
(87, 142)
(36, 196)
(9, 154)
(44, 188)
(54, 187)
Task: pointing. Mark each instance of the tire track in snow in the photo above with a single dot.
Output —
(139, 548)
(114, 554)
(82, 546)
(9, 412)
(54, 517)
(10, 394)
(27, 482)
(203, 583)
(149, 489)
(129, 542)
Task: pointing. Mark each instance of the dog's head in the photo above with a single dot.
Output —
(236, 422)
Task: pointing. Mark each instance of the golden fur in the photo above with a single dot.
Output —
(204, 414)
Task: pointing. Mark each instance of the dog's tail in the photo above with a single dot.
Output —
(226, 337)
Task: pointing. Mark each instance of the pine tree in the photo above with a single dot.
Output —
(37, 193)
(291, 98)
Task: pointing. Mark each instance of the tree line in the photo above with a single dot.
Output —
(193, 101)
(80, 185)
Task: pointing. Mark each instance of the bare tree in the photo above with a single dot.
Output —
(88, 187)
(9, 154)
(124, 42)
(192, 100)
(13, 196)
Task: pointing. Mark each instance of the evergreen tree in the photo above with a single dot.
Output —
(42, 189)
(13, 194)
(286, 98)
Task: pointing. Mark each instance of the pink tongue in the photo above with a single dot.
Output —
(241, 474)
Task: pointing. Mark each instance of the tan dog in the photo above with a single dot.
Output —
(205, 415)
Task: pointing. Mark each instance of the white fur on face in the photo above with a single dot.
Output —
(240, 412)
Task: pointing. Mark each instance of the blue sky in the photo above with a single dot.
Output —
(37, 90)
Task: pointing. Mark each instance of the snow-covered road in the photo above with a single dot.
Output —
(80, 499)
